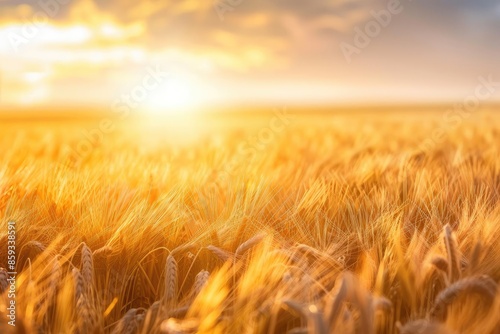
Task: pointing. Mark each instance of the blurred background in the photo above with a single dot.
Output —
(181, 55)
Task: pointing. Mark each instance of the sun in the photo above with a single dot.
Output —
(175, 96)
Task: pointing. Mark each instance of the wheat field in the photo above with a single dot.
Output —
(327, 223)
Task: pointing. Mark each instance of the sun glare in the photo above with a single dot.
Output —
(173, 97)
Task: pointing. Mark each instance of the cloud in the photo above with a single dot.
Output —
(256, 42)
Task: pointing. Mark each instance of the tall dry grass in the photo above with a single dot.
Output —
(340, 224)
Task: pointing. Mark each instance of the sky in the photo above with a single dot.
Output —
(161, 54)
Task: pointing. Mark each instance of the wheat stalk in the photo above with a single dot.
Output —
(297, 307)
(314, 317)
(288, 254)
(334, 305)
(179, 312)
(453, 254)
(174, 326)
(183, 248)
(423, 327)
(475, 257)
(55, 278)
(358, 297)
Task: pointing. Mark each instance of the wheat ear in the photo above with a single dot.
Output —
(104, 251)
(87, 267)
(170, 278)
(87, 319)
(78, 283)
(153, 316)
(249, 243)
(440, 263)
(484, 286)
(35, 245)
(200, 281)
(4, 284)
(423, 327)
(220, 253)
(128, 324)
(382, 303)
